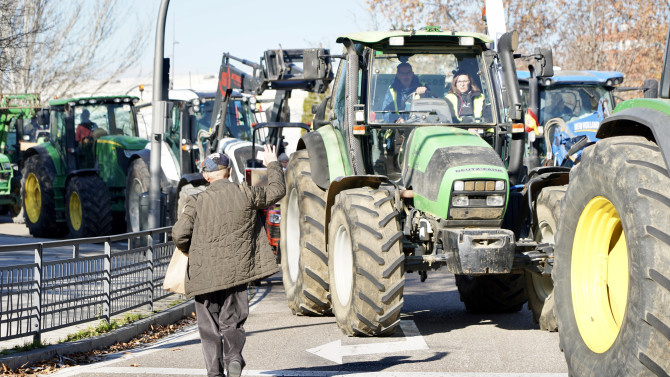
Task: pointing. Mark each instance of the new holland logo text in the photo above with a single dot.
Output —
(472, 170)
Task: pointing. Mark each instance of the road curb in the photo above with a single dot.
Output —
(120, 335)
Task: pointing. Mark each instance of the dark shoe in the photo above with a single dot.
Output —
(234, 369)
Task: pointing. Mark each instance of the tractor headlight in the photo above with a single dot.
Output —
(274, 218)
(459, 186)
(460, 201)
(500, 185)
(6, 166)
(495, 200)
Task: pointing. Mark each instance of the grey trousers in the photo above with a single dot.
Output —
(222, 314)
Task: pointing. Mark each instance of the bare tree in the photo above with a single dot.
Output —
(13, 34)
(60, 48)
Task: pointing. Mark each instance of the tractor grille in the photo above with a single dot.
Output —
(4, 177)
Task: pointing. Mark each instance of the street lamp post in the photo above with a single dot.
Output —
(159, 119)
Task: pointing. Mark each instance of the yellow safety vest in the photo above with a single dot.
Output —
(477, 105)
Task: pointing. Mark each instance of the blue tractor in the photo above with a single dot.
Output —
(571, 106)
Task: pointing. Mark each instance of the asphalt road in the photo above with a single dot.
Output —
(438, 338)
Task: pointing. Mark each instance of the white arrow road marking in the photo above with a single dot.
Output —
(334, 351)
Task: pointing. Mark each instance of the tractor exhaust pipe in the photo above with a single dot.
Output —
(355, 154)
(507, 43)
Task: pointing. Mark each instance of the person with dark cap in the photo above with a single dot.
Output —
(223, 231)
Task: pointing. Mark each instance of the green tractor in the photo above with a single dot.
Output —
(76, 182)
(20, 128)
(612, 254)
(394, 182)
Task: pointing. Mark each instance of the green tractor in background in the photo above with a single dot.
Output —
(76, 182)
(382, 188)
(20, 129)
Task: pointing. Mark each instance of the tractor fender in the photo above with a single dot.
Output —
(642, 121)
(45, 156)
(328, 158)
(340, 184)
(145, 155)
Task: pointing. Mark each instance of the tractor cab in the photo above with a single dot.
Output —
(571, 106)
(82, 129)
(421, 83)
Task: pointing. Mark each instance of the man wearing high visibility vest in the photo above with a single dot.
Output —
(465, 98)
(406, 84)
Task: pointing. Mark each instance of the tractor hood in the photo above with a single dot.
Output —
(435, 157)
(124, 142)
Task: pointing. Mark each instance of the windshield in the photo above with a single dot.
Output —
(239, 120)
(572, 102)
(105, 119)
(203, 117)
(429, 88)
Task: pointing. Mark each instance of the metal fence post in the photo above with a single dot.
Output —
(150, 271)
(37, 295)
(107, 282)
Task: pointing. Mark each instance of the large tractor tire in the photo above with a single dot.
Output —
(137, 183)
(612, 271)
(365, 262)
(88, 207)
(16, 211)
(38, 199)
(304, 261)
(492, 293)
(539, 287)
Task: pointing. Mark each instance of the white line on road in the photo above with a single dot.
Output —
(311, 373)
(334, 351)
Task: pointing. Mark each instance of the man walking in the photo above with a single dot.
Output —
(223, 232)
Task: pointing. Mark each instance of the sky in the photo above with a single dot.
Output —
(198, 32)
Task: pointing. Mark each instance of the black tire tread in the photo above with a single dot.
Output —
(46, 225)
(377, 294)
(96, 206)
(138, 170)
(548, 211)
(309, 294)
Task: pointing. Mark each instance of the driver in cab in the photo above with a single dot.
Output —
(404, 87)
(465, 98)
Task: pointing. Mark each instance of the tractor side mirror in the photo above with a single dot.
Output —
(316, 64)
(545, 62)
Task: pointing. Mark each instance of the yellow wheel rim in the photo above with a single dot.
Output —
(75, 211)
(599, 274)
(32, 198)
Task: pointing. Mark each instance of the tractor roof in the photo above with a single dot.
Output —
(93, 99)
(432, 33)
(577, 77)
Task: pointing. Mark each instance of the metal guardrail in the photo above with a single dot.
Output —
(51, 294)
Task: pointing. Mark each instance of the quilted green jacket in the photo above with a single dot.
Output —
(224, 233)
